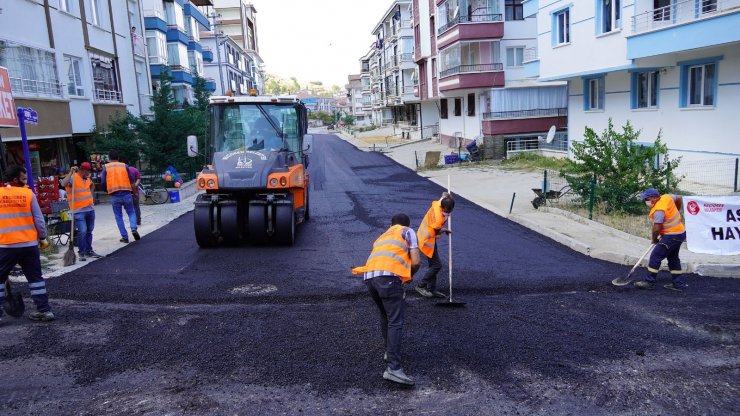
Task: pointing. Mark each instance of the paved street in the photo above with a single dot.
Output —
(163, 327)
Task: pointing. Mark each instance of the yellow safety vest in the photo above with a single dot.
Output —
(16, 216)
(434, 219)
(81, 196)
(390, 254)
(116, 177)
(672, 223)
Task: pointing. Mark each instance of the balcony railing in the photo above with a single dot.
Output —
(680, 12)
(33, 87)
(481, 18)
(530, 54)
(108, 96)
(408, 89)
(407, 57)
(540, 112)
(471, 68)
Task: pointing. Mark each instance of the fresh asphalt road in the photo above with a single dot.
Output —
(163, 327)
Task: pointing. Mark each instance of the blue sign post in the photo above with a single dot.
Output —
(33, 118)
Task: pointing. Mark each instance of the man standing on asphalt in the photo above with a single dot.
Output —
(22, 229)
(79, 189)
(136, 178)
(394, 259)
(429, 231)
(668, 234)
(117, 181)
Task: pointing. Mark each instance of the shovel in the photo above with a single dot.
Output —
(449, 302)
(621, 281)
(69, 257)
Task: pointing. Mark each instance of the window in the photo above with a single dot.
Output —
(105, 80)
(74, 76)
(33, 72)
(593, 94)
(662, 10)
(156, 46)
(458, 107)
(443, 108)
(471, 104)
(701, 84)
(608, 15)
(514, 10)
(65, 6)
(514, 56)
(645, 89)
(95, 12)
(561, 27)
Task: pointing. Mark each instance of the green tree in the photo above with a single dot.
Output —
(348, 120)
(621, 167)
(120, 134)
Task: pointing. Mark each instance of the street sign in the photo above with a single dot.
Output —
(30, 116)
(7, 105)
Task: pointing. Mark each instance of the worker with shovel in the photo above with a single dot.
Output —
(22, 230)
(79, 193)
(668, 233)
(430, 229)
(394, 259)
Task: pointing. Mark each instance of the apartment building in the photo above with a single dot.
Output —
(173, 40)
(76, 63)
(425, 58)
(668, 67)
(358, 103)
(392, 69)
(233, 69)
(237, 20)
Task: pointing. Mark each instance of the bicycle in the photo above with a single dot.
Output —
(153, 196)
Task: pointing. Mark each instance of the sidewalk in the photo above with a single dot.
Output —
(492, 188)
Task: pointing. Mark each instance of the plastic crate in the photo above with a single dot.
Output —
(450, 159)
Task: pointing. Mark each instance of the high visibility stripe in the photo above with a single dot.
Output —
(18, 228)
(433, 219)
(673, 224)
(16, 215)
(36, 285)
(392, 242)
(389, 254)
(38, 292)
(651, 270)
(676, 271)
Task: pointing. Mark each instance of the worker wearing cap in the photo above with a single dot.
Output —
(393, 261)
(668, 233)
(79, 187)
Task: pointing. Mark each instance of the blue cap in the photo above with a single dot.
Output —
(649, 193)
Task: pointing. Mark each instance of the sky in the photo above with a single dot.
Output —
(320, 40)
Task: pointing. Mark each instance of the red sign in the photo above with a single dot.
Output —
(8, 116)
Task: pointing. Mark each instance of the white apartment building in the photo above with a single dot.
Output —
(355, 106)
(425, 58)
(670, 67)
(233, 69)
(76, 62)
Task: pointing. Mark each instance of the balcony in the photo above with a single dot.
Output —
(471, 31)
(482, 18)
(524, 121)
(655, 31)
(207, 55)
(23, 87)
(108, 96)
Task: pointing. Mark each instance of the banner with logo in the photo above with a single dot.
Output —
(712, 224)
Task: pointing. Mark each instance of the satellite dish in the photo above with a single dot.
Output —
(550, 135)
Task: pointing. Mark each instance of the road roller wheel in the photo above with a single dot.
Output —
(206, 232)
(257, 223)
(284, 224)
(232, 226)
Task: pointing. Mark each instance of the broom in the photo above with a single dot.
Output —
(69, 257)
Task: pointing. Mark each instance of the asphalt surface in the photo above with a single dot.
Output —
(163, 327)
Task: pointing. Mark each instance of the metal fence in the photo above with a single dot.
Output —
(716, 177)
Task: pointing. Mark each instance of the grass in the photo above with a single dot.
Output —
(528, 160)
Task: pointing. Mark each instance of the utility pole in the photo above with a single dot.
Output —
(214, 16)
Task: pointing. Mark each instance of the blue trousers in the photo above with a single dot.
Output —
(85, 223)
(120, 202)
(667, 248)
(30, 262)
(387, 293)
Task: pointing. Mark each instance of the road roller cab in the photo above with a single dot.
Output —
(255, 181)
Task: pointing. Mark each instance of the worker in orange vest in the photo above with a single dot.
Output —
(668, 233)
(79, 189)
(22, 229)
(431, 227)
(118, 181)
(393, 261)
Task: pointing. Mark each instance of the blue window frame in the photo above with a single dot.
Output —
(698, 82)
(593, 93)
(608, 16)
(645, 88)
(560, 27)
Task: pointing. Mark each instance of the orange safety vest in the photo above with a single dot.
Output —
(81, 196)
(16, 216)
(116, 177)
(390, 254)
(434, 219)
(672, 223)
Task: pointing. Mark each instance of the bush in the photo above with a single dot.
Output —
(621, 168)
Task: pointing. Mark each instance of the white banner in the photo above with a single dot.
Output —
(712, 224)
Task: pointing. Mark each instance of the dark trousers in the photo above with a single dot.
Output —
(667, 248)
(137, 208)
(30, 262)
(429, 281)
(387, 293)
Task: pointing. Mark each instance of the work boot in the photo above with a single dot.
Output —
(398, 376)
(644, 285)
(124, 240)
(82, 257)
(41, 316)
(94, 255)
(671, 286)
(424, 292)
(136, 235)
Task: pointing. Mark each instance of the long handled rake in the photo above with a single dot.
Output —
(621, 281)
(449, 302)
